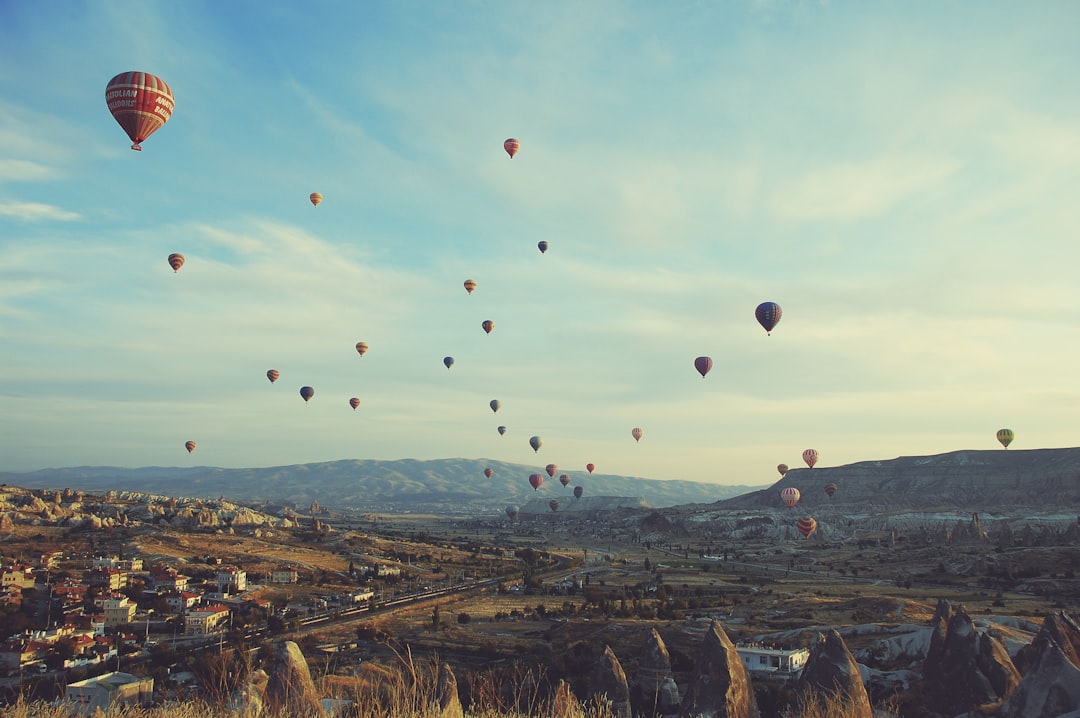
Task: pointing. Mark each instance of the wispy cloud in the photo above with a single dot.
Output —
(36, 212)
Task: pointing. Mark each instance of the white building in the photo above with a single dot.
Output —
(231, 579)
(206, 621)
(105, 692)
(762, 659)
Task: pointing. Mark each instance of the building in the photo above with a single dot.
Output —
(118, 611)
(284, 574)
(231, 579)
(19, 575)
(206, 621)
(180, 601)
(48, 559)
(110, 579)
(781, 661)
(109, 691)
(168, 579)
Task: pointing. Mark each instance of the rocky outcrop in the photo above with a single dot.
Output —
(966, 669)
(721, 686)
(290, 690)
(1059, 628)
(654, 689)
(249, 699)
(1050, 688)
(7, 524)
(831, 670)
(564, 704)
(609, 684)
(447, 694)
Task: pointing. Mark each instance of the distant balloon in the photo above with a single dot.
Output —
(768, 315)
(489, 472)
(470, 285)
(495, 404)
(578, 491)
(176, 261)
(542, 245)
(190, 446)
(553, 505)
(511, 146)
(637, 434)
(488, 325)
(590, 467)
(782, 468)
(1005, 436)
(790, 496)
(535, 442)
(361, 348)
(354, 402)
(536, 481)
(806, 526)
(511, 512)
(502, 430)
(448, 361)
(830, 490)
(273, 375)
(307, 392)
(140, 103)
(810, 456)
(315, 198)
(564, 479)
(551, 469)
(703, 365)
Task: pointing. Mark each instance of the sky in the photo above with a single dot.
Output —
(901, 178)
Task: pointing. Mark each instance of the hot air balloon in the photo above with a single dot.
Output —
(176, 261)
(1005, 436)
(782, 468)
(806, 526)
(502, 430)
(190, 446)
(494, 404)
(354, 402)
(448, 361)
(511, 146)
(810, 456)
(361, 348)
(536, 481)
(564, 479)
(551, 469)
(470, 285)
(307, 392)
(489, 472)
(768, 315)
(578, 491)
(703, 365)
(315, 198)
(140, 103)
(553, 505)
(511, 512)
(790, 496)
(830, 490)
(542, 245)
(488, 325)
(590, 467)
(273, 375)
(535, 442)
(637, 434)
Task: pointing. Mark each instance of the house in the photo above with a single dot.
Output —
(180, 601)
(231, 579)
(48, 559)
(109, 691)
(383, 570)
(759, 658)
(118, 611)
(18, 575)
(17, 652)
(284, 574)
(110, 579)
(168, 579)
(206, 621)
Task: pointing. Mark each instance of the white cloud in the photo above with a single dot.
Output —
(36, 212)
(24, 171)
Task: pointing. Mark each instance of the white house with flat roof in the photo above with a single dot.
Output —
(759, 658)
(109, 690)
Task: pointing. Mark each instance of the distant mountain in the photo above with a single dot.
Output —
(996, 481)
(437, 486)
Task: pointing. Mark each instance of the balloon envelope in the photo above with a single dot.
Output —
(502, 430)
(578, 491)
(536, 481)
(307, 392)
(361, 348)
(806, 526)
(1005, 436)
(810, 456)
(553, 505)
(830, 490)
(782, 468)
(354, 402)
(564, 479)
(448, 361)
(489, 472)
(140, 103)
(495, 404)
(315, 198)
(535, 442)
(551, 469)
(176, 261)
(488, 325)
(273, 375)
(590, 467)
(512, 146)
(638, 433)
(511, 511)
(768, 315)
(542, 245)
(190, 446)
(470, 285)
(703, 365)
(790, 496)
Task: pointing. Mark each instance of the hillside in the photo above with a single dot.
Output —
(438, 486)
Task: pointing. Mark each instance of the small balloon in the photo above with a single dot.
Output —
(307, 392)
(502, 430)
(536, 481)
(315, 198)
(564, 479)
(551, 469)
(790, 496)
(495, 404)
(578, 491)
(511, 512)
(590, 467)
(448, 361)
(782, 468)
(542, 245)
(176, 261)
(511, 146)
(354, 402)
(140, 103)
(361, 348)
(768, 315)
(190, 446)
(553, 505)
(830, 490)
(488, 325)
(637, 433)
(470, 285)
(703, 365)
(1005, 436)
(536, 442)
(806, 526)
(489, 472)
(810, 456)
(273, 375)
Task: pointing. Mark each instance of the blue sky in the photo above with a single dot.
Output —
(901, 178)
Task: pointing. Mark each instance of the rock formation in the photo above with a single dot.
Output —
(609, 683)
(290, 690)
(564, 704)
(832, 670)
(965, 669)
(1050, 688)
(447, 694)
(721, 685)
(1062, 630)
(654, 689)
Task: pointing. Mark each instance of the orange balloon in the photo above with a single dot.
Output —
(361, 348)
(190, 446)
(315, 198)
(176, 261)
